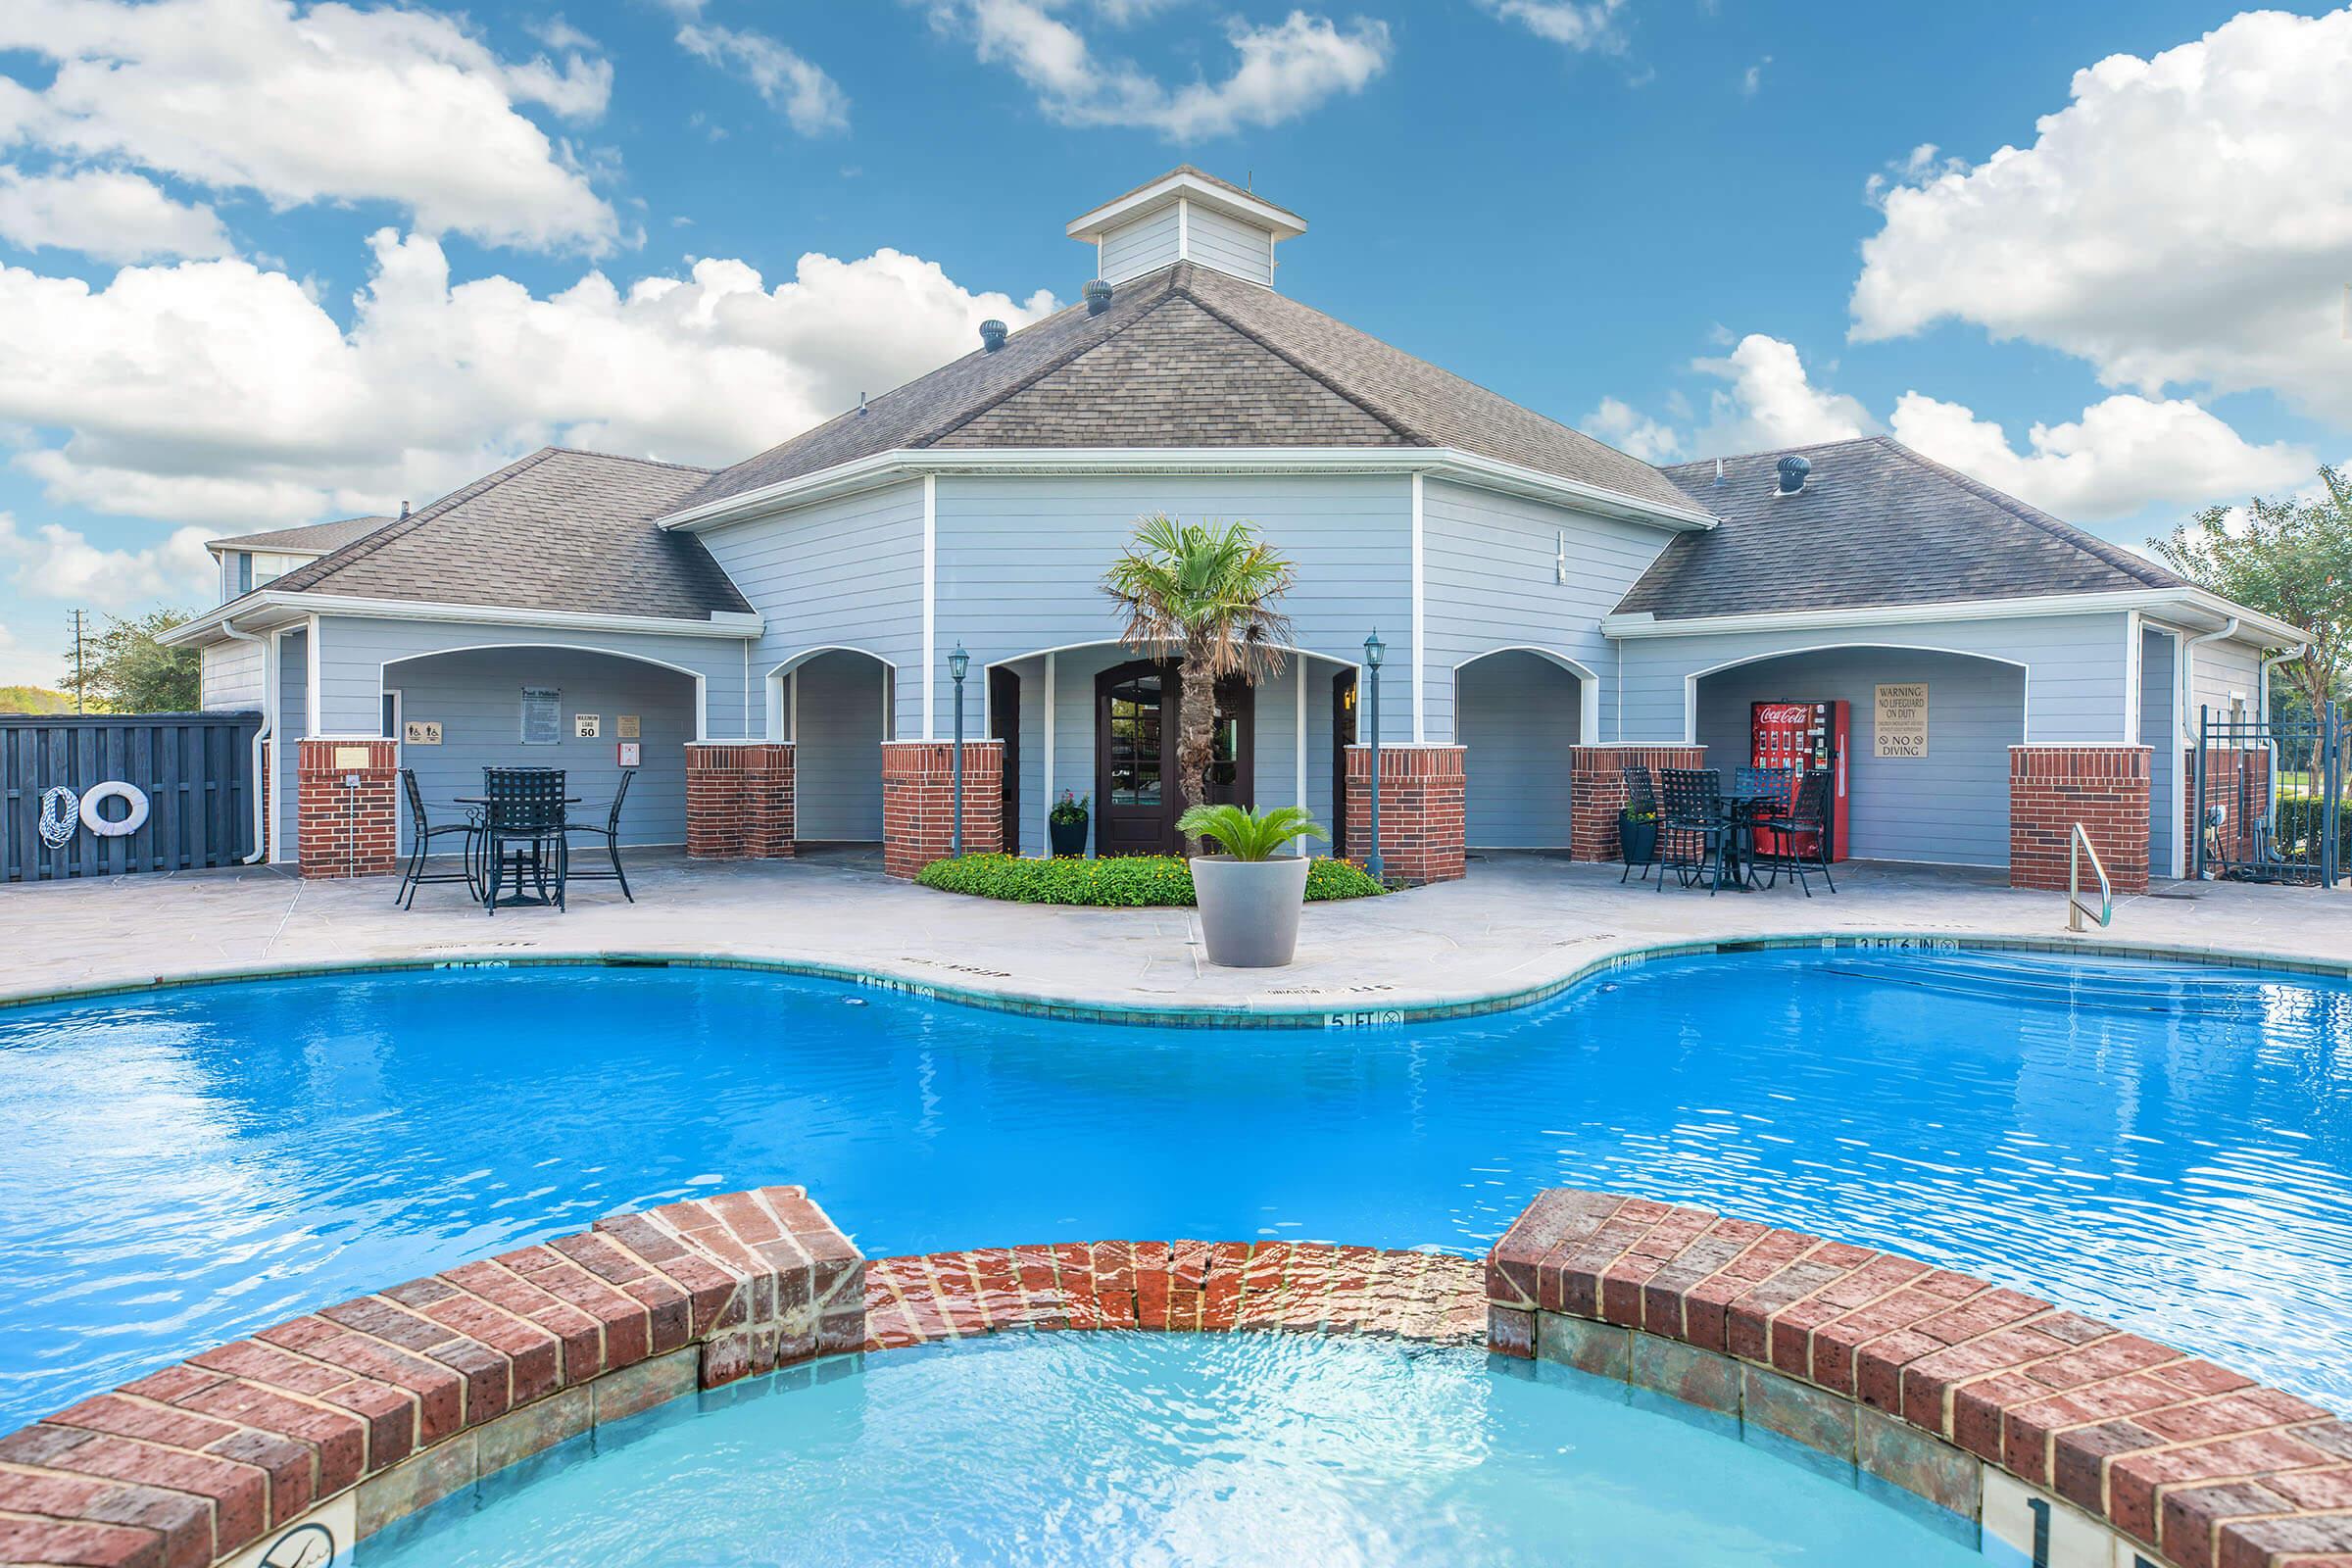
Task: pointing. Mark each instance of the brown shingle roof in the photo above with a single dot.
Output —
(1221, 363)
(1876, 524)
(313, 536)
(558, 530)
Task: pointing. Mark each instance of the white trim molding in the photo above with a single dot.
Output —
(1420, 621)
(1183, 186)
(1587, 689)
(2024, 692)
(2195, 602)
(292, 608)
(701, 685)
(930, 597)
(1445, 462)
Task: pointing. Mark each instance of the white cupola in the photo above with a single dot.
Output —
(1186, 216)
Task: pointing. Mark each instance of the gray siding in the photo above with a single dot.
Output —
(293, 723)
(1491, 580)
(353, 673)
(2073, 694)
(2159, 680)
(232, 677)
(2219, 669)
(1950, 806)
(478, 699)
(1143, 246)
(1231, 246)
(1021, 561)
(1517, 715)
(837, 748)
(845, 573)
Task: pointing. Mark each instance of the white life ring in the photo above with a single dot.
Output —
(114, 789)
(58, 814)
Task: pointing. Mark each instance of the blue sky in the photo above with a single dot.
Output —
(263, 262)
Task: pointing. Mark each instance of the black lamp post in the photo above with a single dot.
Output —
(1374, 650)
(960, 664)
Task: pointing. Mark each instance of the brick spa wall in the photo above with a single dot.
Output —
(918, 802)
(2105, 788)
(1988, 1401)
(1422, 825)
(1597, 791)
(738, 800)
(347, 829)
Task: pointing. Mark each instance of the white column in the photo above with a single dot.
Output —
(930, 598)
(1045, 822)
(1420, 624)
(1299, 676)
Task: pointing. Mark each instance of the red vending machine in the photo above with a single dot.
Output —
(1807, 735)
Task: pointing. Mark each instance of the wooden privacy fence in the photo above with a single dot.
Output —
(194, 769)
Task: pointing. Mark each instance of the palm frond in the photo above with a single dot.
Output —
(1248, 835)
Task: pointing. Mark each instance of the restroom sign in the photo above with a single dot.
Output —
(1901, 727)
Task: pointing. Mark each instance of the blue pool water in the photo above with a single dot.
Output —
(2168, 1147)
(1149, 1450)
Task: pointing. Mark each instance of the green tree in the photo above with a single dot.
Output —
(33, 699)
(2291, 558)
(1202, 592)
(126, 671)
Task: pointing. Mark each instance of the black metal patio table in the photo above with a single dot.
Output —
(1741, 807)
(490, 873)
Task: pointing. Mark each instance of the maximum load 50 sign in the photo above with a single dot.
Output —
(1901, 726)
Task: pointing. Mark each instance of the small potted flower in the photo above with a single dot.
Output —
(1249, 897)
(1066, 824)
(1638, 836)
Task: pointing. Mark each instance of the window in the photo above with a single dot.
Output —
(244, 571)
(541, 723)
(1135, 712)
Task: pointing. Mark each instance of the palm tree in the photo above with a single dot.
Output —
(1200, 591)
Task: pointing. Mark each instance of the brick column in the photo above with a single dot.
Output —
(1597, 791)
(2105, 788)
(2231, 777)
(738, 800)
(348, 794)
(1420, 808)
(918, 802)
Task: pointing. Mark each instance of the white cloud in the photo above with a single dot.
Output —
(2126, 453)
(1589, 26)
(1751, 82)
(1622, 427)
(106, 214)
(54, 561)
(219, 392)
(20, 665)
(328, 104)
(1283, 71)
(810, 100)
(2184, 220)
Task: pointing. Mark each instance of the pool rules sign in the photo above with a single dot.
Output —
(1901, 727)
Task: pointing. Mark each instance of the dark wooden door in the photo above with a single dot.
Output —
(1004, 724)
(1137, 715)
(1343, 736)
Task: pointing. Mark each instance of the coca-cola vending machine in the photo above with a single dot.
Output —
(1803, 735)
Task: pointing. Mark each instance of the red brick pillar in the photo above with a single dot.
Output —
(2105, 788)
(1597, 791)
(918, 802)
(348, 794)
(1420, 808)
(738, 800)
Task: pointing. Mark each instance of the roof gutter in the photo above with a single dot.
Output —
(1444, 463)
(725, 623)
(2188, 666)
(260, 844)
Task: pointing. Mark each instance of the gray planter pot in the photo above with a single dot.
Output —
(1249, 908)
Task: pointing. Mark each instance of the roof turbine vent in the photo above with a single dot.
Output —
(1098, 297)
(1793, 471)
(991, 336)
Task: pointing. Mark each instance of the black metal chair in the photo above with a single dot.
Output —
(523, 831)
(422, 833)
(611, 834)
(1639, 799)
(1800, 837)
(1692, 830)
(1779, 782)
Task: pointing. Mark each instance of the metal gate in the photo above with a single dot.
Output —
(194, 770)
(2270, 799)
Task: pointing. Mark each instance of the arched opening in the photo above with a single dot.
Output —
(834, 704)
(1520, 713)
(594, 714)
(1935, 790)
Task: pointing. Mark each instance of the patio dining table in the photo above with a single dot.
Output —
(490, 876)
(1742, 807)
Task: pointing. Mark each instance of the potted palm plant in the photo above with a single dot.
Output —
(1065, 823)
(1251, 895)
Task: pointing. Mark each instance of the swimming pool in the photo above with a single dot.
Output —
(1149, 1449)
(2164, 1146)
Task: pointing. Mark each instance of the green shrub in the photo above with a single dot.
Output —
(1120, 881)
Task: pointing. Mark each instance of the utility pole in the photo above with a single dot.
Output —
(80, 674)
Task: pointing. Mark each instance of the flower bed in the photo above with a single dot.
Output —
(1123, 881)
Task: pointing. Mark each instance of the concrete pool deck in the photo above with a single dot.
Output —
(1516, 925)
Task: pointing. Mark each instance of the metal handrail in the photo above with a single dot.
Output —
(2079, 845)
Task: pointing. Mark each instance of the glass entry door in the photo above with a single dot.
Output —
(1136, 725)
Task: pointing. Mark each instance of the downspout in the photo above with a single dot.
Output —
(2195, 848)
(269, 724)
(2189, 665)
